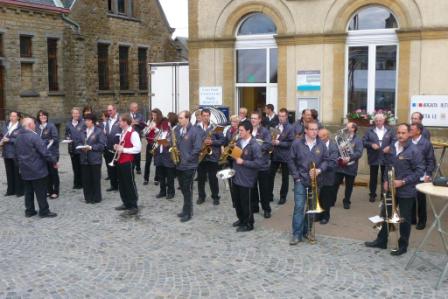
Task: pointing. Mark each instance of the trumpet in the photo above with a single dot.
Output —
(116, 154)
(174, 151)
(148, 127)
(313, 206)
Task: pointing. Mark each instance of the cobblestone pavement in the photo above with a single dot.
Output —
(90, 251)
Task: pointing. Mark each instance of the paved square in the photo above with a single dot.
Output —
(90, 251)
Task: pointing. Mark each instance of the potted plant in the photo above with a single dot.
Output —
(360, 117)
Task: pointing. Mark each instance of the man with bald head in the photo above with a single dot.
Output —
(328, 192)
(377, 141)
(32, 156)
(417, 118)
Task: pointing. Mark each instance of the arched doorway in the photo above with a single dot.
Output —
(372, 60)
(256, 62)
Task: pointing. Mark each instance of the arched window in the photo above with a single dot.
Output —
(371, 18)
(256, 62)
(257, 23)
(372, 60)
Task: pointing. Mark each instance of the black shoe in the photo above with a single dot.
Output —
(376, 244)
(107, 179)
(323, 221)
(282, 201)
(48, 215)
(20, 194)
(77, 187)
(185, 218)
(178, 187)
(28, 215)
(267, 214)
(216, 201)
(8, 194)
(181, 214)
(256, 211)
(160, 195)
(139, 171)
(420, 226)
(130, 212)
(372, 198)
(200, 201)
(170, 196)
(121, 208)
(244, 228)
(111, 189)
(236, 223)
(145, 183)
(399, 251)
(346, 205)
(156, 183)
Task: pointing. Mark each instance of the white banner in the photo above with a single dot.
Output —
(433, 108)
(210, 95)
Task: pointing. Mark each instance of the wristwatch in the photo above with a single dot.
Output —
(404, 182)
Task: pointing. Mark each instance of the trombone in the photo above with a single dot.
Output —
(312, 206)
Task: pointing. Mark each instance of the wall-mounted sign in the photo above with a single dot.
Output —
(308, 80)
(210, 95)
(433, 108)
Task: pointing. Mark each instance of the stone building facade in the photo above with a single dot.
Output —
(346, 44)
(75, 44)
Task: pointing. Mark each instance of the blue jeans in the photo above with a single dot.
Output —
(299, 223)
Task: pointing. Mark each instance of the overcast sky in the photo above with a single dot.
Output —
(177, 13)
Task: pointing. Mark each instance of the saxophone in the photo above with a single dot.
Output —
(206, 150)
(174, 151)
(227, 151)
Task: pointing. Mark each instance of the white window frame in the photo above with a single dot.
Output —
(371, 39)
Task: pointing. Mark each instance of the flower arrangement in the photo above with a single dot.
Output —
(364, 118)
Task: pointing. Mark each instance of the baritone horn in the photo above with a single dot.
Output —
(174, 151)
(313, 206)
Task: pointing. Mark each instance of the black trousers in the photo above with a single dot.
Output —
(262, 184)
(137, 161)
(112, 172)
(186, 186)
(76, 166)
(327, 198)
(148, 164)
(374, 178)
(419, 211)
(53, 179)
(166, 179)
(208, 170)
(126, 185)
(15, 183)
(285, 179)
(243, 205)
(405, 206)
(91, 182)
(38, 187)
(349, 182)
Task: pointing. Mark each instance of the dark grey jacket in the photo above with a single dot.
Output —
(427, 151)
(329, 176)
(281, 151)
(301, 158)
(357, 154)
(377, 157)
(49, 133)
(97, 140)
(426, 133)
(189, 146)
(113, 134)
(246, 174)
(141, 122)
(73, 133)
(270, 123)
(9, 151)
(32, 155)
(164, 158)
(409, 166)
(266, 147)
(218, 140)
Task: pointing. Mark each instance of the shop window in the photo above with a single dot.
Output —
(52, 49)
(142, 69)
(124, 67)
(26, 46)
(103, 67)
(372, 61)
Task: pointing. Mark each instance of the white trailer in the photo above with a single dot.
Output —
(169, 86)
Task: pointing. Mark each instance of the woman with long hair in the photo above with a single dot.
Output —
(49, 134)
(154, 126)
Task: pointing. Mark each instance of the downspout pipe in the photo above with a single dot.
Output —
(72, 23)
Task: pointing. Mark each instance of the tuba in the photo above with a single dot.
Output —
(345, 147)
(312, 206)
(174, 151)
